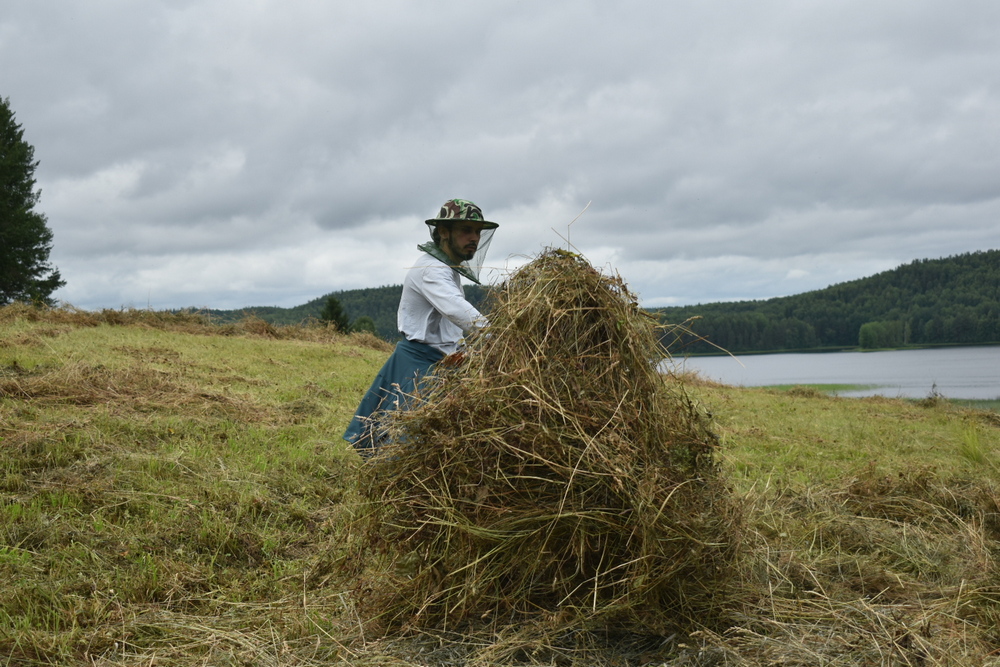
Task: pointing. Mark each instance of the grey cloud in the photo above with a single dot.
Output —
(745, 137)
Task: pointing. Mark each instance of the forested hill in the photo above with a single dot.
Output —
(955, 300)
(930, 301)
(378, 303)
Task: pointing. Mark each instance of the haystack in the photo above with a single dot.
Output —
(555, 474)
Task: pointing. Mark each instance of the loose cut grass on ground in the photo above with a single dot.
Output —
(181, 496)
(159, 475)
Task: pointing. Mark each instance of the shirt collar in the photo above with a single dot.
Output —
(436, 252)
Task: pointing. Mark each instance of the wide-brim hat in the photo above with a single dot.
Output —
(461, 210)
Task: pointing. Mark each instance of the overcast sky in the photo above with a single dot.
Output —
(232, 153)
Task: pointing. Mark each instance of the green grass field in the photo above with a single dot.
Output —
(832, 389)
(839, 389)
(174, 493)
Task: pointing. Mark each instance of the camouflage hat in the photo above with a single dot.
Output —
(461, 210)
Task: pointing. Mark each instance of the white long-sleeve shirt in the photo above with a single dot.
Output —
(433, 308)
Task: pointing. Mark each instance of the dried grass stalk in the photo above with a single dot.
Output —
(557, 473)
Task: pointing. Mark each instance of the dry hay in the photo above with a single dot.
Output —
(557, 475)
(873, 570)
(70, 315)
(137, 388)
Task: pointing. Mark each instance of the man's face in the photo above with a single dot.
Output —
(461, 240)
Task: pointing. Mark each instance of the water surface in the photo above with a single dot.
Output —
(954, 372)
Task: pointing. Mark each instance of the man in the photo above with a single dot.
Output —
(433, 317)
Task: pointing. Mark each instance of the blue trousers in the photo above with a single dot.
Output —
(389, 391)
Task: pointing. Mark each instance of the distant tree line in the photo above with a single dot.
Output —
(955, 300)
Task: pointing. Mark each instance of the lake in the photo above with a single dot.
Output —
(954, 372)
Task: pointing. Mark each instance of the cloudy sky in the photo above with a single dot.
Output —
(231, 153)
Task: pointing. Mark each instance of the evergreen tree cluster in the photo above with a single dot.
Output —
(955, 300)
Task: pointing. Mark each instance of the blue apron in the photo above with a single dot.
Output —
(389, 391)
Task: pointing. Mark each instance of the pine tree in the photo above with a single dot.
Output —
(335, 315)
(25, 239)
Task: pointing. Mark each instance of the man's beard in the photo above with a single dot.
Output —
(462, 254)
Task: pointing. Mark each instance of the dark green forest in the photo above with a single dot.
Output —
(950, 301)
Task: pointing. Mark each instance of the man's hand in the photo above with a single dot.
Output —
(453, 359)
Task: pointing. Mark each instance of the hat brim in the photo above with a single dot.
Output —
(485, 223)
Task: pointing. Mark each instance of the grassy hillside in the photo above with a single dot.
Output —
(177, 493)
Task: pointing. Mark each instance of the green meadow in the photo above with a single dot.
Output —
(177, 493)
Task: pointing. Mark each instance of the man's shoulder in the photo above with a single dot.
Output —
(429, 263)
(430, 273)
(427, 259)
